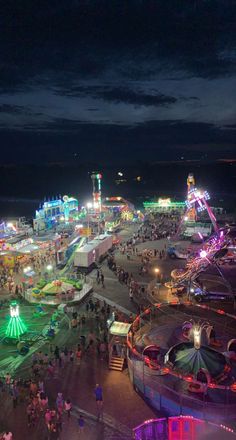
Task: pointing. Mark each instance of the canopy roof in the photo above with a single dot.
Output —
(119, 328)
(57, 287)
(186, 359)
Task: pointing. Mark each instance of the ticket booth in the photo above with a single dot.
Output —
(117, 344)
(185, 428)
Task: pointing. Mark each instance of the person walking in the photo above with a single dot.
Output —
(99, 399)
(8, 382)
(58, 422)
(71, 356)
(57, 354)
(102, 350)
(78, 355)
(48, 416)
(68, 407)
(59, 402)
(15, 394)
(41, 386)
(81, 424)
(98, 276)
(102, 280)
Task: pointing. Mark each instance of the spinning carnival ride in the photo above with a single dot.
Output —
(184, 367)
(196, 202)
(213, 249)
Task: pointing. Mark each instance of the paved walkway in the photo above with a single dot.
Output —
(123, 407)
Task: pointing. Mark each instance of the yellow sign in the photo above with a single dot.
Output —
(85, 232)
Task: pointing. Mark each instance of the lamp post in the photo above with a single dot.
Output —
(49, 268)
(89, 206)
(157, 273)
(27, 269)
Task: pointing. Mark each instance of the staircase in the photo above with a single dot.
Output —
(116, 363)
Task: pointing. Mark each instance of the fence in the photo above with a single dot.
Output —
(171, 402)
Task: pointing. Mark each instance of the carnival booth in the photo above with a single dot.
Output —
(118, 332)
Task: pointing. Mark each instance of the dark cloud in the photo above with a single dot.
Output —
(137, 39)
(161, 140)
(15, 109)
(129, 73)
(120, 94)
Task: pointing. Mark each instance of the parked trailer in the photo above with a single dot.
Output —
(104, 243)
(93, 251)
(85, 256)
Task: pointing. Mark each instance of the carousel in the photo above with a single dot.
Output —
(60, 288)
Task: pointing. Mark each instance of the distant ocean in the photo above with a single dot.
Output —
(14, 208)
(23, 188)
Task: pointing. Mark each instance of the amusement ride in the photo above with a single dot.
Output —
(196, 202)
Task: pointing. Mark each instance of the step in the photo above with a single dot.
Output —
(116, 363)
(119, 361)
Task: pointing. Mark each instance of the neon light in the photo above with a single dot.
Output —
(16, 326)
(158, 205)
(14, 310)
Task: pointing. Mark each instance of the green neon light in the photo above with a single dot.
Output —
(16, 327)
(159, 205)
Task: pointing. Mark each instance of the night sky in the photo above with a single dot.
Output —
(117, 81)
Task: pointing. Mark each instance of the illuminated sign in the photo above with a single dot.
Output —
(52, 204)
(164, 202)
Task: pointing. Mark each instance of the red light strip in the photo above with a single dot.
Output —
(168, 370)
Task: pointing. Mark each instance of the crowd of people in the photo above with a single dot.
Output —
(12, 275)
(90, 330)
(32, 394)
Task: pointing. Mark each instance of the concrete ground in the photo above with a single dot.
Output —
(123, 407)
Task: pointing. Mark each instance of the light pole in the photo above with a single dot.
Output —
(89, 206)
(157, 273)
(49, 269)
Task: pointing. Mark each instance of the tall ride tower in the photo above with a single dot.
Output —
(192, 214)
(97, 191)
